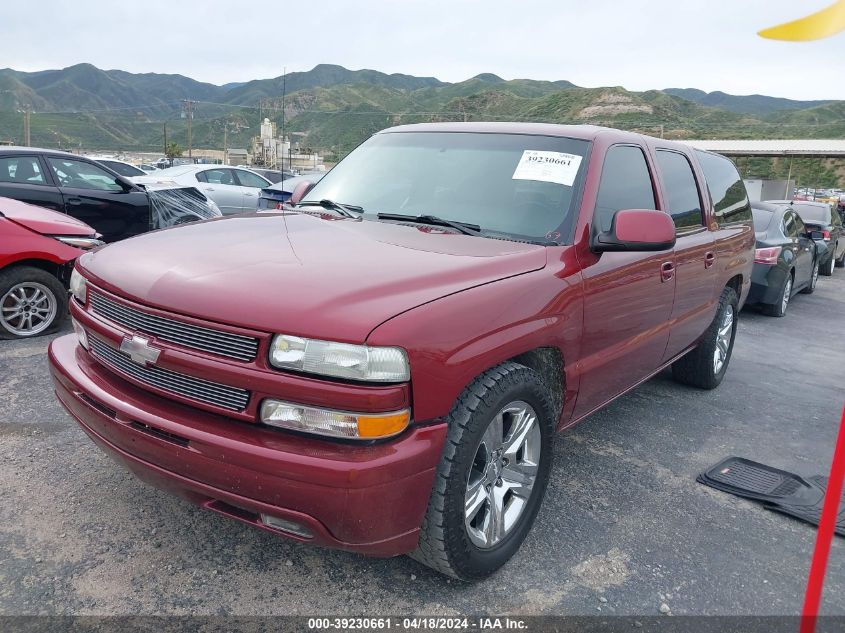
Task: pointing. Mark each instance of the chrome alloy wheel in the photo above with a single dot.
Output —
(723, 339)
(28, 308)
(787, 291)
(502, 474)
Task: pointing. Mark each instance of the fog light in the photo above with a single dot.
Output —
(292, 527)
(81, 334)
(334, 423)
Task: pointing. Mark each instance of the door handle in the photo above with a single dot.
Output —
(209, 188)
(74, 201)
(709, 260)
(667, 271)
(251, 195)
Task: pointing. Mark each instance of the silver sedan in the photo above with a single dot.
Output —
(233, 189)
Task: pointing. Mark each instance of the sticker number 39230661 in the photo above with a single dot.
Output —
(556, 167)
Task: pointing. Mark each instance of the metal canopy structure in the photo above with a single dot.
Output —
(810, 148)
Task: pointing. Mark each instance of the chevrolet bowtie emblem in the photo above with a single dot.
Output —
(140, 350)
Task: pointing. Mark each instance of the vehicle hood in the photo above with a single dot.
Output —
(308, 275)
(41, 220)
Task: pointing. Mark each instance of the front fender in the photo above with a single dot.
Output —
(452, 340)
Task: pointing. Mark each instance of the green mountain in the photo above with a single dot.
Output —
(749, 104)
(332, 109)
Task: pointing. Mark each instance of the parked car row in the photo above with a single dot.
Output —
(796, 241)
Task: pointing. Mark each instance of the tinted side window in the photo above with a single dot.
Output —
(248, 179)
(219, 176)
(800, 229)
(789, 228)
(625, 184)
(21, 169)
(683, 201)
(82, 175)
(730, 200)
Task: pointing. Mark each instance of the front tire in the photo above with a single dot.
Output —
(827, 268)
(705, 366)
(492, 476)
(32, 302)
(814, 279)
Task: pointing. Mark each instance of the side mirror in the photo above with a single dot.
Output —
(127, 185)
(299, 192)
(637, 230)
(816, 235)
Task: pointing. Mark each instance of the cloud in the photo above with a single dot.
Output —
(707, 44)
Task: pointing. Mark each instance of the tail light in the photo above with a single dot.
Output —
(826, 235)
(768, 255)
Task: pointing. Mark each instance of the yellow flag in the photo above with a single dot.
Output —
(824, 23)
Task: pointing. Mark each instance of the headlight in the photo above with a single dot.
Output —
(340, 360)
(85, 243)
(81, 334)
(78, 286)
(364, 426)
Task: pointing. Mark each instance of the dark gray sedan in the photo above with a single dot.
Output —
(786, 260)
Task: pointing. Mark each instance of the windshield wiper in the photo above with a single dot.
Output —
(348, 210)
(462, 227)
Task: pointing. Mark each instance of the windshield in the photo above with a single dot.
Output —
(508, 184)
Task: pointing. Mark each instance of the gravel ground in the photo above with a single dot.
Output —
(624, 528)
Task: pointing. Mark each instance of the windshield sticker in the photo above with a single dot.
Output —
(547, 167)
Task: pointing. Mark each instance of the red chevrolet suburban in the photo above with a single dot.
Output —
(381, 367)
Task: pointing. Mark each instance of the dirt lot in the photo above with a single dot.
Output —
(624, 527)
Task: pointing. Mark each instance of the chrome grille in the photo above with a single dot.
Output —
(205, 339)
(213, 393)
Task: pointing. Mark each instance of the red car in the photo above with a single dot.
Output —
(382, 368)
(37, 248)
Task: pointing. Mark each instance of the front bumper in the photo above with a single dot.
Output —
(365, 498)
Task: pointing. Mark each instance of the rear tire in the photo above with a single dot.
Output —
(840, 263)
(698, 368)
(778, 309)
(32, 302)
(456, 537)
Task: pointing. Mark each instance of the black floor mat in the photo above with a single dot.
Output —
(779, 490)
(812, 514)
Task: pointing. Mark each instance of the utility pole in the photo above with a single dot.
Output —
(26, 136)
(284, 85)
(188, 110)
(226, 142)
(165, 139)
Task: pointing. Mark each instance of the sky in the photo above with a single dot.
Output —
(640, 45)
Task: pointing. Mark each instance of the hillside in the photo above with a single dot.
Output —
(332, 109)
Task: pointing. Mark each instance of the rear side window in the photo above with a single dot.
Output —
(248, 179)
(683, 201)
(625, 184)
(730, 200)
(790, 228)
(21, 169)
